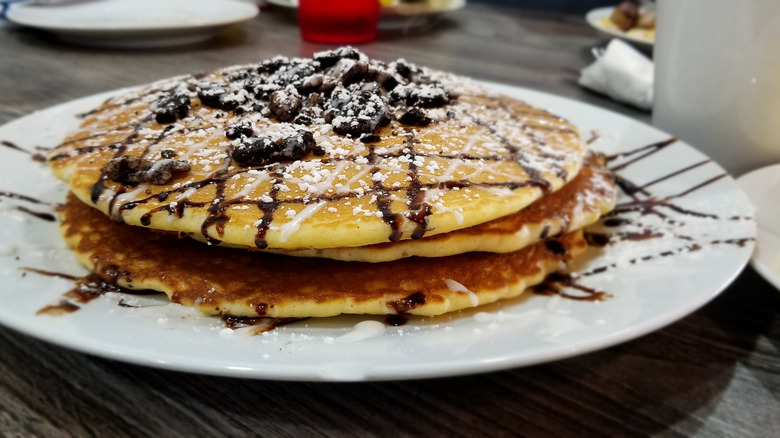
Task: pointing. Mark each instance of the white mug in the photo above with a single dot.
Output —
(717, 78)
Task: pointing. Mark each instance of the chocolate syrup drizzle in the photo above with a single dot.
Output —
(643, 202)
(566, 285)
(36, 156)
(49, 217)
(86, 289)
(258, 324)
(39, 157)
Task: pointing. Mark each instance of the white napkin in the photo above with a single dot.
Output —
(622, 73)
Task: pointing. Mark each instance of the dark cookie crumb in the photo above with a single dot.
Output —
(303, 119)
(240, 128)
(358, 113)
(370, 138)
(318, 151)
(221, 97)
(284, 105)
(428, 97)
(311, 83)
(357, 73)
(331, 57)
(415, 117)
(136, 170)
(172, 107)
(403, 68)
(258, 151)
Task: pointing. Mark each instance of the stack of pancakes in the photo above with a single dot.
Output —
(336, 184)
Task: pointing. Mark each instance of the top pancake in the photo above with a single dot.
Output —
(334, 151)
(578, 204)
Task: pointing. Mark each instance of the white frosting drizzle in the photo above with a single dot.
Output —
(363, 330)
(291, 227)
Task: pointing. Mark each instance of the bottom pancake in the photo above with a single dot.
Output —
(234, 282)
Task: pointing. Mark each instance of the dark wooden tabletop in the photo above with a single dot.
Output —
(713, 373)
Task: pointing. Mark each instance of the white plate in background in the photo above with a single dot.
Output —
(402, 16)
(763, 188)
(406, 9)
(133, 23)
(599, 19)
(705, 247)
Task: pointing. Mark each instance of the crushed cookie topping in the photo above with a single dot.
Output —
(342, 87)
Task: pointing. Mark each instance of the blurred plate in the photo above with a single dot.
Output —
(762, 186)
(599, 19)
(402, 16)
(401, 9)
(133, 23)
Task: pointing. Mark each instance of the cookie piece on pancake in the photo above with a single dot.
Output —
(329, 152)
(227, 281)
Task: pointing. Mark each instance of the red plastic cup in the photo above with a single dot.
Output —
(338, 21)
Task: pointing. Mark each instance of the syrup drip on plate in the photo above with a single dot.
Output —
(49, 217)
(561, 284)
(625, 222)
(36, 156)
(87, 288)
(92, 286)
(258, 324)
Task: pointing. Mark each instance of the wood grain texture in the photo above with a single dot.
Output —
(714, 373)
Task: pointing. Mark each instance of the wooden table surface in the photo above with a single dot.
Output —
(714, 373)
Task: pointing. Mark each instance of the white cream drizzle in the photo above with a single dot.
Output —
(363, 330)
(291, 227)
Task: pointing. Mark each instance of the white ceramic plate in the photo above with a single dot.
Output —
(133, 23)
(402, 16)
(599, 19)
(706, 243)
(402, 9)
(762, 186)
